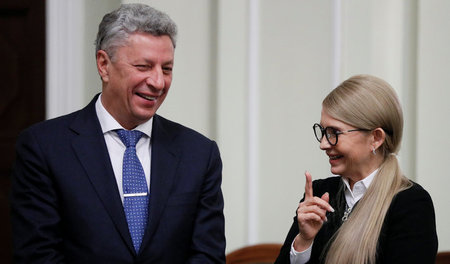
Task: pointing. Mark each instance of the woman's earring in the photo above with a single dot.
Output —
(373, 151)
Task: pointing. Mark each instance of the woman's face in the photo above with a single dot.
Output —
(352, 156)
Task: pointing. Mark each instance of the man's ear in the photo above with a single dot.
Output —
(378, 137)
(103, 63)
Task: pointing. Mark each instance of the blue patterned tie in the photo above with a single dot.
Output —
(135, 189)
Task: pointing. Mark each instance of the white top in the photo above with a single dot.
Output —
(351, 197)
(116, 148)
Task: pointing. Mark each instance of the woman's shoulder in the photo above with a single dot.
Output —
(330, 185)
(415, 192)
(409, 229)
(328, 181)
(414, 198)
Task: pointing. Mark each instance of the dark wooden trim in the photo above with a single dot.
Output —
(260, 253)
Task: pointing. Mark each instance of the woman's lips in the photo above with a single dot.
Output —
(335, 157)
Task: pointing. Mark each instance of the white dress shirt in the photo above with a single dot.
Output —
(116, 148)
(351, 198)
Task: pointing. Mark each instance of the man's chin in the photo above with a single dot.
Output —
(144, 117)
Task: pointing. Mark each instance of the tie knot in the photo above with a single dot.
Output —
(129, 137)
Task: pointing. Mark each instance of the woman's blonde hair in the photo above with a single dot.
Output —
(368, 102)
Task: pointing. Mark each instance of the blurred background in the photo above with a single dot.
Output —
(251, 75)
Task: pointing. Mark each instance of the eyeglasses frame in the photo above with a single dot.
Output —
(337, 133)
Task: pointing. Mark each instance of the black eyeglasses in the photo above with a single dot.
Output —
(331, 134)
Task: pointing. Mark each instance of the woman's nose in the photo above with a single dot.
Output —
(324, 144)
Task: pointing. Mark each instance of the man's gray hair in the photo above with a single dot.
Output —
(116, 27)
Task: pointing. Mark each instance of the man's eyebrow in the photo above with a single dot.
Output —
(152, 62)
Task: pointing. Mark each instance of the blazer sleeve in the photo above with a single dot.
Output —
(208, 238)
(409, 234)
(34, 206)
(284, 255)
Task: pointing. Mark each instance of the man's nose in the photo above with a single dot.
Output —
(156, 79)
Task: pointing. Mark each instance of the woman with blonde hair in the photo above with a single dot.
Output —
(371, 213)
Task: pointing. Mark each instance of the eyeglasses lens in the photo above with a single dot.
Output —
(318, 132)
(331, 135)
(328, 132)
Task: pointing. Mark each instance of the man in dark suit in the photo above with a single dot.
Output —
(72, 196)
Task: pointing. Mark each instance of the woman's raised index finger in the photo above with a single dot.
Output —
(308, 185)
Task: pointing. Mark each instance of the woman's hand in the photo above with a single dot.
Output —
(311, 214)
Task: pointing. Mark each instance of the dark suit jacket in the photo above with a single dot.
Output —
(66, 205)
(408, 234)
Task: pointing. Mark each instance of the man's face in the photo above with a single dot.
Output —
(136, 81)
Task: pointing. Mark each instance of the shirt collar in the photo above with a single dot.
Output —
(364, 182)
(108, 123)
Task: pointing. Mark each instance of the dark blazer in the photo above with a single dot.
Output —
(408, 234)
(66, 207)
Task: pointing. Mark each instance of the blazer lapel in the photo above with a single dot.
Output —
(165, 159)
(91, 150)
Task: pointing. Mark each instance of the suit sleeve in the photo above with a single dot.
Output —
(208, 239)
(34, 206)
(410, 235)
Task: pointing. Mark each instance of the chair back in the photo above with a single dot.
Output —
(443, 257)
(254, 254)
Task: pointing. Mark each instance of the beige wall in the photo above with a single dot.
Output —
(433, 110)
(252, 74)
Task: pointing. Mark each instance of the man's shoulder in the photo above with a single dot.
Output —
(57, 124)
(53, 124)
(176, 129)
(59, 129)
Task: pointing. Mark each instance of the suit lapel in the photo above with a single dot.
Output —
(165, 159)
(90, 148)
